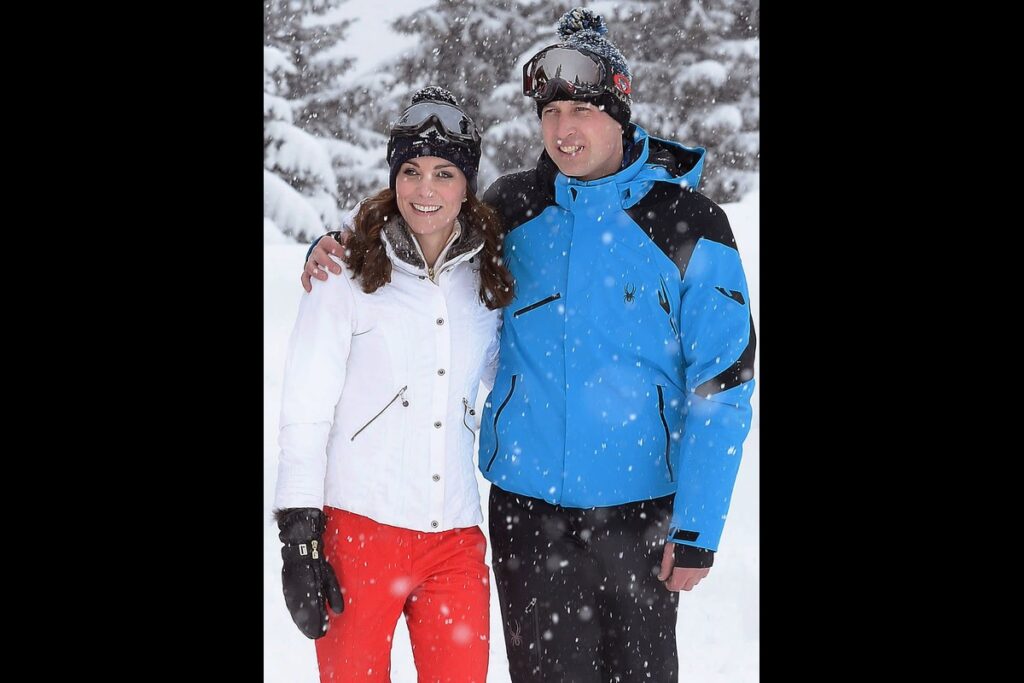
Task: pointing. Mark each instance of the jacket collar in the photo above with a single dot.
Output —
(647, 160)
(405, 253)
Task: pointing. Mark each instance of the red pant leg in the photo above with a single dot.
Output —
(447, 613)
(373, 564)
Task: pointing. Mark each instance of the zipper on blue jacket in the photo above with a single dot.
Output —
(497, 414)
(540, 303)
(668, 435)
(405, 402)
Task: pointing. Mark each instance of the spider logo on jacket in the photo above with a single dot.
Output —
(629, 293)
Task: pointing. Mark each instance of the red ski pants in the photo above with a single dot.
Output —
(438, 580)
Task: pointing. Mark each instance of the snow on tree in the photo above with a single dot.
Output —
(307, 142)
(696, 79)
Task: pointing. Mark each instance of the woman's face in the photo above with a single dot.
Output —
(429, 192)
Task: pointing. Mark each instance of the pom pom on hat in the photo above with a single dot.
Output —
(434, 92)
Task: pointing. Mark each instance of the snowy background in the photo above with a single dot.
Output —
(337, 72)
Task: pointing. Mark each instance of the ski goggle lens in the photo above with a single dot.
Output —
(425, 119)
(454, 124)
(576, 72)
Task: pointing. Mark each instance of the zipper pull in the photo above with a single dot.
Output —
(533, 601)
(466, 403)
(405, 401)
(315, 555)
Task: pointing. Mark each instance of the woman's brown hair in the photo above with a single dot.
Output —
(365, 255)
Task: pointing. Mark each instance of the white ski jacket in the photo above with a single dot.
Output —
(379, 388)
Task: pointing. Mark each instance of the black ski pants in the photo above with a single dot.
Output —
(578, 588)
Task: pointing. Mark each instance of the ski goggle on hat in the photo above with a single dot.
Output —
(435, 119)
(578, 73)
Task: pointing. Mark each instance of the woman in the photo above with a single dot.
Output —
(377, 499)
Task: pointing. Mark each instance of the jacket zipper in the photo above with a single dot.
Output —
(668, 436)
(405, 402)
(497, 414)
(540, 303)
(430, 272)
(466, 409)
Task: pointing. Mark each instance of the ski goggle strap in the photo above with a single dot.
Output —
(578, 73)
(426, 119)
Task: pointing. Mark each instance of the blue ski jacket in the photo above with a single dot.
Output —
(626, 361)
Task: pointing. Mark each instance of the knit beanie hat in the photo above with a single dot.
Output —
(584, 30)
(433, 143)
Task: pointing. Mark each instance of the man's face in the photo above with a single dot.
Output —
(583, 141)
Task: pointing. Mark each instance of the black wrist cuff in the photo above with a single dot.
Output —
(300, 525)
(691, 557)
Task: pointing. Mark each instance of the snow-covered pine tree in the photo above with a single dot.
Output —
(320, 154)
(696, 79)
(346, 116)
(307, 31)
(298, 183)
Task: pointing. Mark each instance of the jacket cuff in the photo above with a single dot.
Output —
(336, 234)
(692, 557)
(300, 525)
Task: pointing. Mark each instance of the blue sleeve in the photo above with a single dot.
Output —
(718, 341)
(347, 223)
(314, 243)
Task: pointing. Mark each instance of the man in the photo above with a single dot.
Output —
(622, 396)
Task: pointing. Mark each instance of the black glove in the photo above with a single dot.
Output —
(309, 581)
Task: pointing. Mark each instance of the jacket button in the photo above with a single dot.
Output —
(438, 424)
(436, 477)
(440, 321)
(434, 524)
(441, 372)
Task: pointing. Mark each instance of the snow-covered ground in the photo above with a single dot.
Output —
(718, 630)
